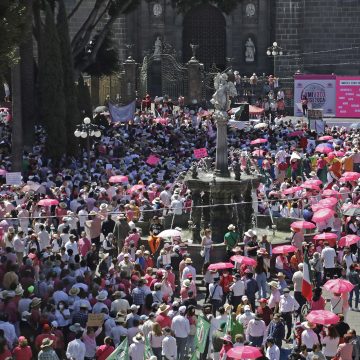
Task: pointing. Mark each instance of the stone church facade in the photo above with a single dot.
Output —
(318, 36)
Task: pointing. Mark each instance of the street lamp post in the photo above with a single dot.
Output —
(274, 50)
(85, 131)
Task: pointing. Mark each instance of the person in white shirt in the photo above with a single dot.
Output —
(272, 350)
(72, 244)
(246, 316)
(337, 304)
(238, 290)
(176, 205)
(44, 238)
(119, 331)
(9, 331)
(181, 327)
(120, 304)
(287, 306)
(169, 347)
(330, 342)
(76, 348)
(137, 348)
(19, 246)
(256, 330)
(189, 269)
(308, 336)
(216, 295)
(349, 258)
(328, 257)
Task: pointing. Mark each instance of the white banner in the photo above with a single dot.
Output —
(13, 178)
(320, 91)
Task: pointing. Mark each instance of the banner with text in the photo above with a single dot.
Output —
(320, 91)
(348, 96)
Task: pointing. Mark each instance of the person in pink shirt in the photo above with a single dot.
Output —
(84, 244)
(104, 351)
(133, 236)
(170, 276)
(23, 350)
(162, 318)
(317, 302)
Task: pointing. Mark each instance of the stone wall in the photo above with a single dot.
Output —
(310, 31)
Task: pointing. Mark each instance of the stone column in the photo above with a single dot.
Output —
(221, 165)
(95, 91)
(194, 91)
(196, 216)
(129, 79)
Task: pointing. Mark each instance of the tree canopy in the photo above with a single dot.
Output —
(12, 27)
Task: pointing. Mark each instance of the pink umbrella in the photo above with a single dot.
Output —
(313, 182)
(323, 317)
(325, 236)
(3, 172)
(161, 121)
(258, 153)
(221, 266)
(48, 202)
(311, 187)
(325, 138)
(337, 153)
(296, 133)
(323, 215)
(329, 192)
(317, 207)
(350, 176)
(292, 190)
(328, 202)
(244, 352)
(348, 240)
(338, 286)
(243, 260)
(302, 224)
(119, 179)
(284, 249)
(258, 141)
(322, 148)
(137, 187)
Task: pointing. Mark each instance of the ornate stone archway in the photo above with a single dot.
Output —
(205, 25)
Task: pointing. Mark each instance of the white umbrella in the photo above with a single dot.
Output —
(260, 126)
(169, 233)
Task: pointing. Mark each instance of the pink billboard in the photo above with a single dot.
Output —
(348, 96)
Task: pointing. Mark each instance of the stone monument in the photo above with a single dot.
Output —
(221, 197)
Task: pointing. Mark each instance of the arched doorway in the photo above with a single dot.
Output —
(205, 25)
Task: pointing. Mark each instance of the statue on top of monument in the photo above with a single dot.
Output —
(224, 90)
(249, 50)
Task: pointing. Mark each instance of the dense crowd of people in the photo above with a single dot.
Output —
(72, 246)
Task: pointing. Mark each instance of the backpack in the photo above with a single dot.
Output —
(149, 300)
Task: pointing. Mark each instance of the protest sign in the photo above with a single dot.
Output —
(200, 153)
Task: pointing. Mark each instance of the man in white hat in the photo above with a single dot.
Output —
(188, 269)
(287, 306)
(181, 328)
(231, 238)
(137, 348)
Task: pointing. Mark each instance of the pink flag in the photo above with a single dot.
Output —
(200, 153)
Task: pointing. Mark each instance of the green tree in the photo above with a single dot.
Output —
(12, 28)
(71, 108)
(51, 86)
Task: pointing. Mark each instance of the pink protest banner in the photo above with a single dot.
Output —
(200, 153)
(152, 160)
(348, 96)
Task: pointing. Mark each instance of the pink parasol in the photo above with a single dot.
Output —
(325, 236)
(258, 153)
(325, 138)
(243, 260)
(322, 148)
(296, 133)
(328, 202)
(48, 202)
(302, 224)
(119, 179)
(317, 207)
(3, 172)
(254, 110)
(258, 141)
(338, 286)
(244, 352)
(323, 215)
(292, 190)
(350, 176)
(330, 192)
(161, 121)
(348, 240)
(311, 187)
(323, 317)
(137, 187)
(284, 249)
(220, 266)
(313, 182)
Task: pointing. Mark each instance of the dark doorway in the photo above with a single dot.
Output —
(205, 25)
